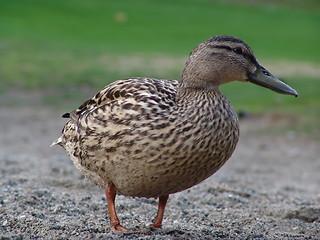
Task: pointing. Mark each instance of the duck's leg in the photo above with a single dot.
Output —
(157, 223)
(114, 220)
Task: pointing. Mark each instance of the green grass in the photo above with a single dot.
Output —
(167, 26)
(69, 49)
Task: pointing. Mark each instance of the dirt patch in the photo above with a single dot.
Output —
(268, 190)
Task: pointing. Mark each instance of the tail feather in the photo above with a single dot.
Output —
(66, 115)
(56, 142)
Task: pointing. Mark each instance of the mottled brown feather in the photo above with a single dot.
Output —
(146, 142)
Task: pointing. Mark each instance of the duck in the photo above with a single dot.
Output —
(146, 137)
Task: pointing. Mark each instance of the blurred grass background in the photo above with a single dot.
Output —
(65, 51)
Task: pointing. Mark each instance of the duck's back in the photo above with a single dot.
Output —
(139, 136)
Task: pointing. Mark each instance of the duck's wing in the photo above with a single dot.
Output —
(123, 100)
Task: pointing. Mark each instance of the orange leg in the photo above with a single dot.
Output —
(157, 223)
(114, 220)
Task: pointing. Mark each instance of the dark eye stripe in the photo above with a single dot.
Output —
(243, 53)
(221, 46)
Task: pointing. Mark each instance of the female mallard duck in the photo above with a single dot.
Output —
(146, 137)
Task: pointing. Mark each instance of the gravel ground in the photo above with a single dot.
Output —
(269, 189)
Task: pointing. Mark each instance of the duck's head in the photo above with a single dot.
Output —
(223, 59)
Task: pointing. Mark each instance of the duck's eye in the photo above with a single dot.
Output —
(238, 50)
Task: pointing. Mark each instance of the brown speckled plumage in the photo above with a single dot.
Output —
(150, 138)
(140, 138)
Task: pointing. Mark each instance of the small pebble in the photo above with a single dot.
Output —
(5, 222)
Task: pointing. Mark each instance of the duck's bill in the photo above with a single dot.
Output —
(265, 79)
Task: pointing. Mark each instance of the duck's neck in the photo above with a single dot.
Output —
(201, 77)
(190, 87)
(209, 102)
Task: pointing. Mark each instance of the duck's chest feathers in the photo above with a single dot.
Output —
(211, 130)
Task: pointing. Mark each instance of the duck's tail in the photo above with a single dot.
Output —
(57, 142)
